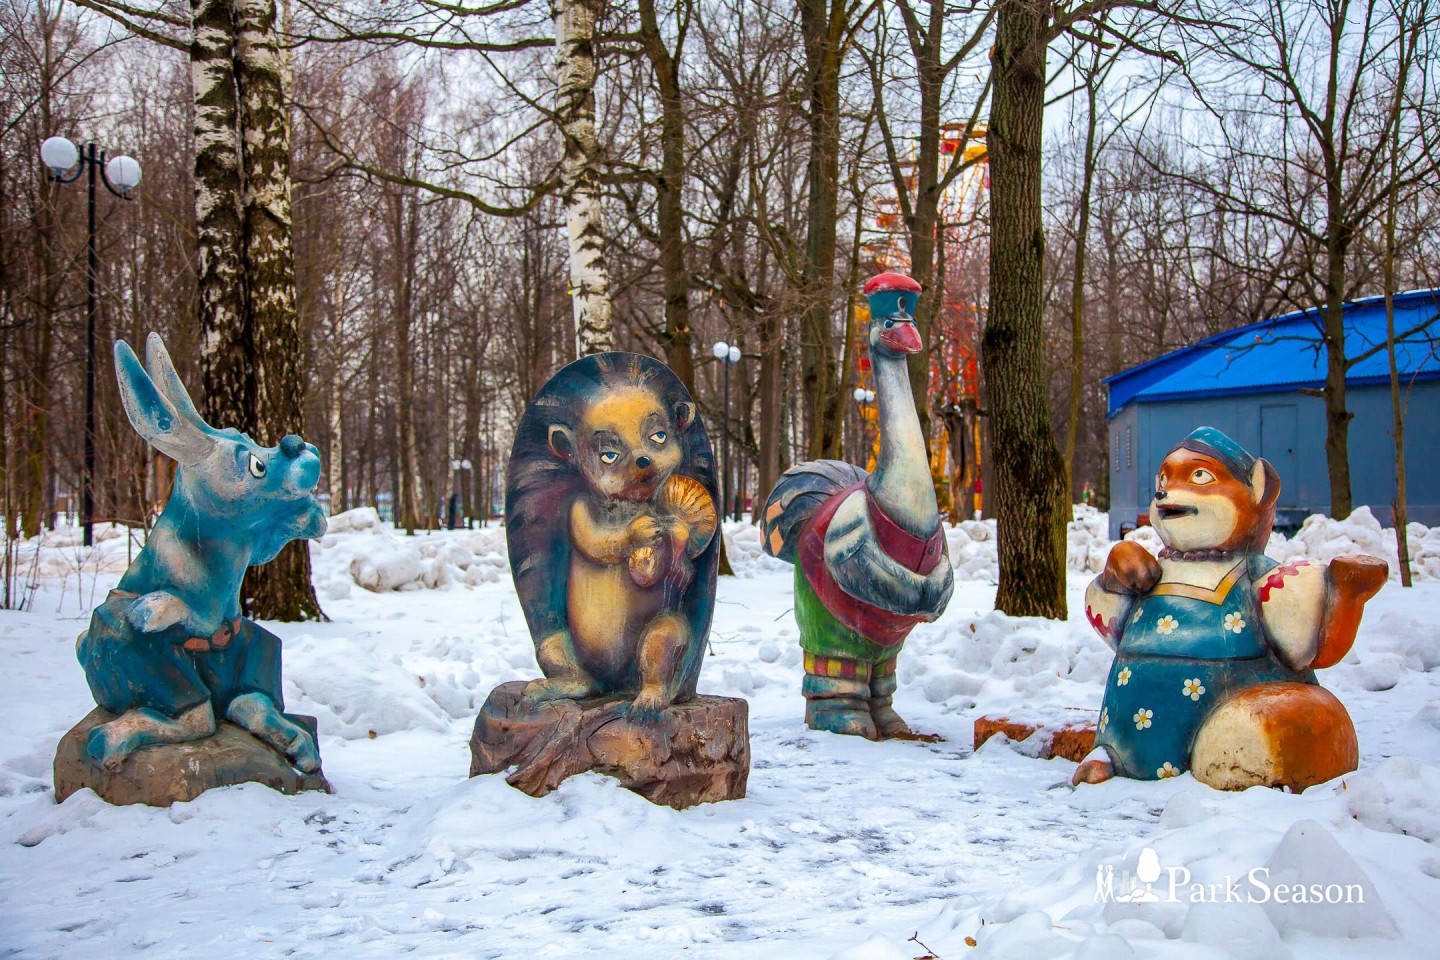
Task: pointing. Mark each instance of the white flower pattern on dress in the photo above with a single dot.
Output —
(1234, 622)
(1123, 677)
(1167, 771)
(1142, 718)
(1193, 689)
(1104, 718)
(1167, 625)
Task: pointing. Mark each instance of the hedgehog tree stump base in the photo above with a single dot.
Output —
(1071, 739)
(696, 752)
(161, 775)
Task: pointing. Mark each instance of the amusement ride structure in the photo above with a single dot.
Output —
(953, 395)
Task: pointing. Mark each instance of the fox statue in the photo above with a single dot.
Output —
(168, 650)
(1216, 644)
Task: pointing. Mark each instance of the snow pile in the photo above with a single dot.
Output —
(357, 548)
(388, 563)
(1322, 538)
(995, 658)
(349, 521)
(747, 555)
(60, 553)
(973, 545)
(1244, 874)
(972, 550)
(1089, 539)
(1147, 537)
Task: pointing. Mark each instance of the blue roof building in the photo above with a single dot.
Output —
(1258, 383)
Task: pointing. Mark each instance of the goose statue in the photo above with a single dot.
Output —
(869, 552)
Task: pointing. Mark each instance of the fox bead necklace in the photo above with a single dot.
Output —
(1167, 554)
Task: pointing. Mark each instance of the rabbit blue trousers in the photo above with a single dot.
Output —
(165, 671)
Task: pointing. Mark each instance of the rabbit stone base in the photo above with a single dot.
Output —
(179, 772)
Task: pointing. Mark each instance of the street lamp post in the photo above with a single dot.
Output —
(458, 466)
(120, 175)
(864, 398)
(728, 356)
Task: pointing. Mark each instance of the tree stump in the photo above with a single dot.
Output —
(159, 776)
(697, 752)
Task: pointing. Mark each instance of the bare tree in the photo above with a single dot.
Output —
(828, 30)
(1032, 480)
(920, 181)
(1415, 20)
(1310, 69)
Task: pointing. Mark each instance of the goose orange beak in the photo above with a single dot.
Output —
(902, 337)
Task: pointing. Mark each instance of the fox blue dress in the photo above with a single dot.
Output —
(1183, 652)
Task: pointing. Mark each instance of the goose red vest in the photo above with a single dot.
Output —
(872, 622)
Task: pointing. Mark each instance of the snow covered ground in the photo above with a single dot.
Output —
(843, 848)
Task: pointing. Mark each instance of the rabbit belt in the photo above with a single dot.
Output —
(218, 640)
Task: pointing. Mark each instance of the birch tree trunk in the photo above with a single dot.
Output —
(579, 173)
(251, 352)
(282, 589)
(1029, 472)
(335, 469)
(226, 345)
(269, 253)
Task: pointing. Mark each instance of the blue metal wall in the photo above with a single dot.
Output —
(1288, 429)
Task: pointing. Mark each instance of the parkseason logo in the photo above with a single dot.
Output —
(1153, 882)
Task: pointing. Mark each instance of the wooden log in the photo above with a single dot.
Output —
(696, 752)
(1071, 740)
(161, 775)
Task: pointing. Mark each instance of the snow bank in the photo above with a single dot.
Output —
(1222, 865)
(349, 521)
(842, 847)
(380, 560)
(747, 556)
(995, 658)
(973, 548)
(359, 549)
(1322, 538)
(60, 553)
(1088, 539)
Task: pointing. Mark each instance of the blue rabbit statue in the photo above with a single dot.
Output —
(168, 650)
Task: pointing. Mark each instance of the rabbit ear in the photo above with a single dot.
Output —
(151, 414)
(167, 381)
